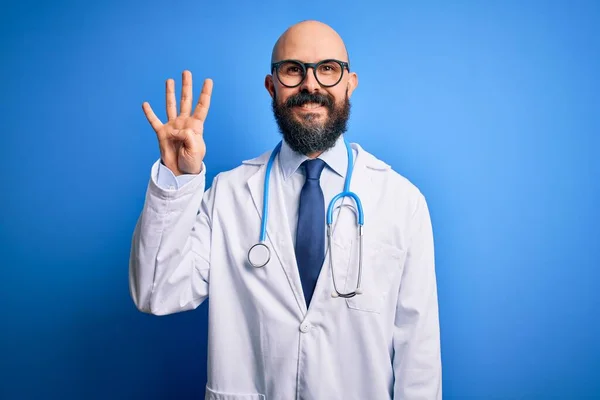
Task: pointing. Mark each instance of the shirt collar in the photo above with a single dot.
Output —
(336, 158)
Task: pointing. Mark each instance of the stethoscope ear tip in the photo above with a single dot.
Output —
(358, 291)
(334, 294)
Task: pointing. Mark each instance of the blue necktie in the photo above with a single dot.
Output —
(310, 234)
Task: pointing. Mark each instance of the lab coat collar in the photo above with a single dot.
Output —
(366, 158)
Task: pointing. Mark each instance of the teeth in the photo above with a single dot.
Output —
(310, 106)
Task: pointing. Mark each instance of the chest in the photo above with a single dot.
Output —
(376, 258)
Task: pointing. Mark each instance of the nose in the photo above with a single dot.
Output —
(310, 83)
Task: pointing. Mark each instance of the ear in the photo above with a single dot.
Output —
(352, 83)
(270, 85)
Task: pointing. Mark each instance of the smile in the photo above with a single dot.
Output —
(309, 106)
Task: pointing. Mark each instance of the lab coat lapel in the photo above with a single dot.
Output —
(345, 231)
(278, 230)
(345, 226)
(363, 185)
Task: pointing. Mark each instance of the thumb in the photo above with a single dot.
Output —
(186, 136)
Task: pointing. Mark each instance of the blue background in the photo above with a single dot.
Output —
(490, 108)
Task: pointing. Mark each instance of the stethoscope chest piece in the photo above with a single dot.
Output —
(259, 255)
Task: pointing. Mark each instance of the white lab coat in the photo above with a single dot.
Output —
(263, 343)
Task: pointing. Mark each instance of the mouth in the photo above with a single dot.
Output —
(310, 107)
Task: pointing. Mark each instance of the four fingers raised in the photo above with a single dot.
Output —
(201, 110)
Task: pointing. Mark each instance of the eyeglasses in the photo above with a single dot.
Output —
(291, 73)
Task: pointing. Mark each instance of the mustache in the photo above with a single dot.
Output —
(299, 99)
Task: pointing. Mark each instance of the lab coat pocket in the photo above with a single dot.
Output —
(382, 262)
(214, 395)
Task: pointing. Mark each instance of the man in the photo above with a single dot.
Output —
(286, 330)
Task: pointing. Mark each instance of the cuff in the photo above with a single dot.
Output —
(165, 179)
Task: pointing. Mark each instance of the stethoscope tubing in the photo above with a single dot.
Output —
(345, 193)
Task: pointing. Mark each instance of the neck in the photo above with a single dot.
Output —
(314, 155)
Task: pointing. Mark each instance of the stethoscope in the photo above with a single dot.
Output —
(260, 254)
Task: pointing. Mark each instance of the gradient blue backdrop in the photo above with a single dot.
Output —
(491, 108)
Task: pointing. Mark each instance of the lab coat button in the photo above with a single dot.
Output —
(305, 327)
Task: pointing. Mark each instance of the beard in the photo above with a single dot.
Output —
(304, 134)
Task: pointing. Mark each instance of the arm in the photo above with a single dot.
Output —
(417, 358)
(170, 251)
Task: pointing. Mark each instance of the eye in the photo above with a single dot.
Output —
(291, 69)
(329, 68)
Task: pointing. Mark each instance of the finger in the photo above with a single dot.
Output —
(171, 102)
(186, 94)
(152, 118)
(203, 105)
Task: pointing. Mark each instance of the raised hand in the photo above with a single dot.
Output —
(181, 141)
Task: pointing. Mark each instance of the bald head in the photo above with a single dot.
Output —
(309, 41)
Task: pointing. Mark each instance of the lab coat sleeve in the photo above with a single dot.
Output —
(170, 249)
(417, 358)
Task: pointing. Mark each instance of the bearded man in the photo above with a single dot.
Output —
(313, 295)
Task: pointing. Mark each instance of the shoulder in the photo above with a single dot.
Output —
(387, 177)
(243, 172)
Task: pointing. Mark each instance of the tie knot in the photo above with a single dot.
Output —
(314, 168)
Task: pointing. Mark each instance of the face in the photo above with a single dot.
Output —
(310, 116)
